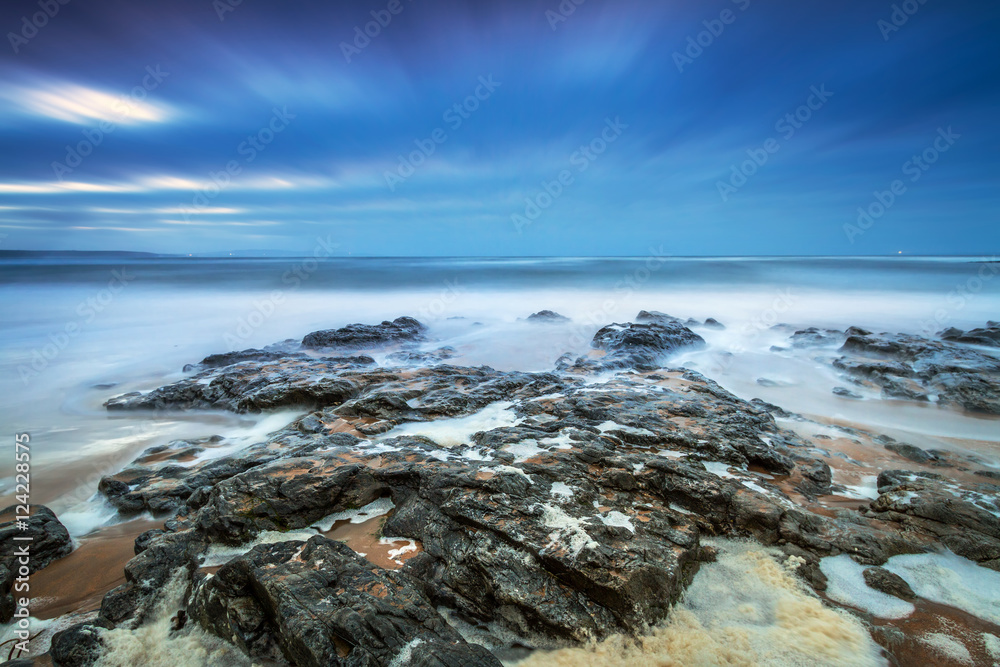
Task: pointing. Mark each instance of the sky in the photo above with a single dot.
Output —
(514, 128)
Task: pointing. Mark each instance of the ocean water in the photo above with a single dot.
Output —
(76, 332)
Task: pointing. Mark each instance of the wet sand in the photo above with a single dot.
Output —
(78, 582)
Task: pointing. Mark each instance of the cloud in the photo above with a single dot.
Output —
(72, 103)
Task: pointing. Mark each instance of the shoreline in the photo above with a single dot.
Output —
(773, 470)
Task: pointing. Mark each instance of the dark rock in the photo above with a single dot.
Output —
(643, 346)
(814, 337)
(845, 392)
(407, 357)
(882, 580)
(713, 323)
(548, 316)
(367, 336)
(989, 336)
(77, 646)
(322, 604)
(910, 452)
(49, 541)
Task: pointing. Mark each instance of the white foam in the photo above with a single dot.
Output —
(459, 430)
(561, 489)
(220, 554)
(406, 653)
(992, 645)
(867, 490)
(949, 579)
(569, 531)
(86, 517)
(524, 450)
(395, 554)
(376, 508)
(155, 645)
(617, 519)
(948, 647)
(508, 470)
(719, 469)
(846, 585)
(744, 609)
(613, 426)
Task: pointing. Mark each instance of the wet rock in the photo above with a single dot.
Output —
(49, 538)
(988, 336)
(643, 346)
(229, 358)
(962, 517)
(844, 392)
(77, 646)
(882, 580)
(910, 452)
(410, 358)
(322, 604)
(548, 316)
(367, 336)
(712, 323)
(915, 368)
(49, 541)
(814, 337)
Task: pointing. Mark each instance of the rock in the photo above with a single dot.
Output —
(576, 513)
(366, 336)
(920, 369)
(712, 323)
(988, 336)
(49, 541)
(410, 358)
(49, 538)
(814, 337)
(845, 393)
(79, 645)
(322, 604)
(548, 316)
(910, 452)
(882, 580)
(643, 346)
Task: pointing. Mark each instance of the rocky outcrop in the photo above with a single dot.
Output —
(643, 346)
(561, 507)
(319, 603)
(916, 368)
(988, 336)
(367, 336)
(548, 316)
(45, 537)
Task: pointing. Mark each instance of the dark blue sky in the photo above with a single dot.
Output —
(634, 128)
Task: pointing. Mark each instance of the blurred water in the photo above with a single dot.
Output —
(73, 328)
